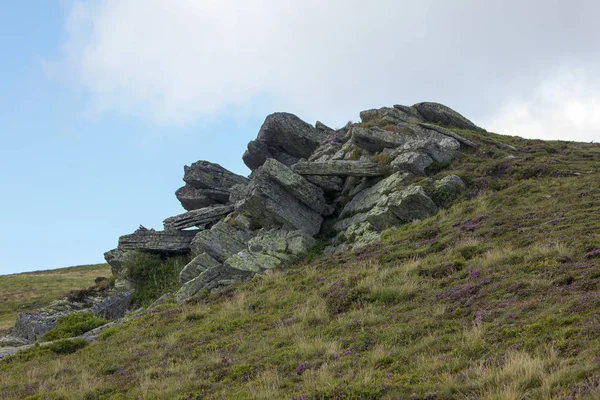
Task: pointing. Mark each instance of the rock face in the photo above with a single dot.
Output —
(360, 180)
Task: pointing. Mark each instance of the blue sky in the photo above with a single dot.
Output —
(103, 102)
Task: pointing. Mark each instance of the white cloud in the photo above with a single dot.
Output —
(177, 61)
(566, 106)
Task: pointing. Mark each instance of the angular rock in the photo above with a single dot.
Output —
(271, 206)
(220, 242)
(387, 115)
(32, 326)
(285, 137)
(164, 242)
(207, 175)
(452, 185)
(440, 147)
(199, 264)
(293, 183)
(412, 161)
(338, 168)
(370, 197)
(193, 199)
(198, 218)
(256, 154)
(411, 203)
(376, 139)
(440, 114)
(280, 243)
(213, 278)
(114, 306)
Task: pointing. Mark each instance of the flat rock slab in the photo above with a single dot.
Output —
(207, 175)
(376, 139)
(338, 168)
(168, 242)
(411, 203)
(194, 199)
(440, 114)
(198, 218)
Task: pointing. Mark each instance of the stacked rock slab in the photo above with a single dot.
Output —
(355, 178)
(206, 184)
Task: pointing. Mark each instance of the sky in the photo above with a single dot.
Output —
(103, 102)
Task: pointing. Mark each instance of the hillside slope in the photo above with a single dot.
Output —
(496, 296)
(30, 291)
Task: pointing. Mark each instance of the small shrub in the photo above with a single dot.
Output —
(74, 325)
(436, 167)
(383, 160)
(152, 276)
(355, 154)
(67, 346)
(343, 295)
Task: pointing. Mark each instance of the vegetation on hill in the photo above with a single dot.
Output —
(495, 297)
(27, 292)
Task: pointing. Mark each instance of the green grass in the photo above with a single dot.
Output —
(495, 297)
(27, 292)
(72, 325)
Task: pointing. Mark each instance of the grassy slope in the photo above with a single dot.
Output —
(495, 297)
(29, 291)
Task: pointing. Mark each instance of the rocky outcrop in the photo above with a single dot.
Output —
(357, 179)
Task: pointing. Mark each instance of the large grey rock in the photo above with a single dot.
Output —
(421, 139)
(322, 127)
(411, 203)
(199, 264)
(32, 326)
(338, 168)
(256, 154)
(281, 244)
(370, 197)
(198, 218)
(293, 183)
(114, 306)
(440, 114)
(207, 175)
(448, 132)
(283, 134)
(193, 199)
(213, 278)
(221, 241)
(376, 139)
(253, 262)
(412, 161)
(271, 206)
(164, 242)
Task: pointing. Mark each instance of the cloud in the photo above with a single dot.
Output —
(565, 106)
(175, 62)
